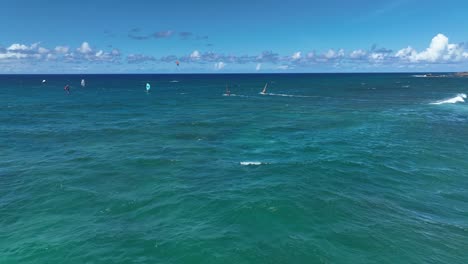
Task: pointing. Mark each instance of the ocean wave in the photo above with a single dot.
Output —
(460, 98)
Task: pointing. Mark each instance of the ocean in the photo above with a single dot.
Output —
(323, 168)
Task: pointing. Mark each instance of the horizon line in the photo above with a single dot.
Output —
(232, 73)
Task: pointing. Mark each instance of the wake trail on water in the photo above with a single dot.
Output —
(235, 95)
(287, 95)
(460, 98)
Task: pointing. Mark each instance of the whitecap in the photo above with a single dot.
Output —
(250, 163)
(460, 98)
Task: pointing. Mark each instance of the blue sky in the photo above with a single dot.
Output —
(233, 36)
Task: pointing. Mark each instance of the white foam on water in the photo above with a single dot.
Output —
(285, 95)
(174, 81)
(235, 95)
(419, 75)
(460, 98)
(250, 163)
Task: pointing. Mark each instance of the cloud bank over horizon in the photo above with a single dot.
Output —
(439, 52)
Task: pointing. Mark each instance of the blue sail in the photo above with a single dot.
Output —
(148, 87)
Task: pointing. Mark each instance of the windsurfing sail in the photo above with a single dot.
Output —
(83, 83)
(264, 89)
(44, 81)
(148, 87)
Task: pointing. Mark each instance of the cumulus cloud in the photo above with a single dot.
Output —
(195, 55)
(332, 54)
(61, 49)
(85, 48)
(296, 55)
(219, 65)
(19, 47)
(35, 53)
(23, 52)
(358, 54)
(42, 50)
(439, 51)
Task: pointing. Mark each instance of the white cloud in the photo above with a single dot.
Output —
(195, 55)
(283, 67)
(61, 49)
(437, 47)
(296, 55)
(13, 56)
(219, 65)
(407, 53)
(377, 57)
(358, 54)
(42, 50)
(51, 57)
(18, 47)
(439, 50)
(332, 54)
(85, 48)
(258, 67)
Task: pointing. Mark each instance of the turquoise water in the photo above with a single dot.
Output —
(332, 168)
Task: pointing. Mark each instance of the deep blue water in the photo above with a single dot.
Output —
(325, 168)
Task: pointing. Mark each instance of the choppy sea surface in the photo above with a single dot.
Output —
(323, 168)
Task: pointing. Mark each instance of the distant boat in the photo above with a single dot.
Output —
(44, 81)
(264, 89)
(83, 83)
(148, 87)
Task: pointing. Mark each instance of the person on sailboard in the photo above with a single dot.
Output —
(264, 89)
(67, 88)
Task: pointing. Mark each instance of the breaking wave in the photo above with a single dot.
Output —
(460, 98)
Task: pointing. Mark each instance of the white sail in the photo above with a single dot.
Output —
(83, 83)
(264, 89)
